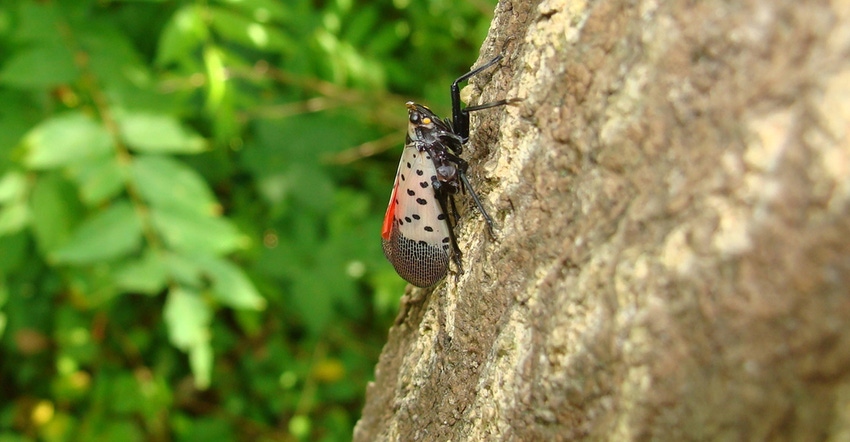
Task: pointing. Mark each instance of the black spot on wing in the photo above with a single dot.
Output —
(411, 192)
(421, 201)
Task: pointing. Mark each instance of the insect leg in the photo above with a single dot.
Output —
(442, 195)
(491, 104)
(462, 166)
(460, 117)
(462, 174)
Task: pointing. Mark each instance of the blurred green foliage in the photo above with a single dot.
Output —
(191, 195)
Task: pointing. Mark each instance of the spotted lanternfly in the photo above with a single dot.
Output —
(417, 234)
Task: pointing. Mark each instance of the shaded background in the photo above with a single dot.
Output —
(190, 202)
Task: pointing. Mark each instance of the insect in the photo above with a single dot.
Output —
(417, 235)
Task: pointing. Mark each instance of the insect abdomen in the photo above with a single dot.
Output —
(420, 263)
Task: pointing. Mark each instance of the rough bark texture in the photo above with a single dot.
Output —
(672, 261)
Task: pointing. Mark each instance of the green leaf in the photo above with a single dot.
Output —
(14, 217)
(33, 18)
(188, 319)
(39, 67)
(158, 134)
(217, 83)
(167, 183)
(230, 284)
(99, 179)
(194, 233)
(146, 275)
(13, 185)
(185, 32)
(264, 10)
(248, 32)
(55, 211)
(64, 140)
(14, 210)
(114, 232)
(184, 270)
(119, 69)
(201, 361)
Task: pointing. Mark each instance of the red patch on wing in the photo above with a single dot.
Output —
(390, 216)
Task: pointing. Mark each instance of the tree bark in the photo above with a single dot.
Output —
(672, 255)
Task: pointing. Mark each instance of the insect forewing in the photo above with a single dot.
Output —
(415, 234)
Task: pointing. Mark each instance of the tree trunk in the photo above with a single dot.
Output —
(672, 252)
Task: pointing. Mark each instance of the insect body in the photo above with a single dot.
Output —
(417, 234)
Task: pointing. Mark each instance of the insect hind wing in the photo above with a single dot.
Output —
(418, 262)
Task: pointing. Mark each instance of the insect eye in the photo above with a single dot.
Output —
(414, 118)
